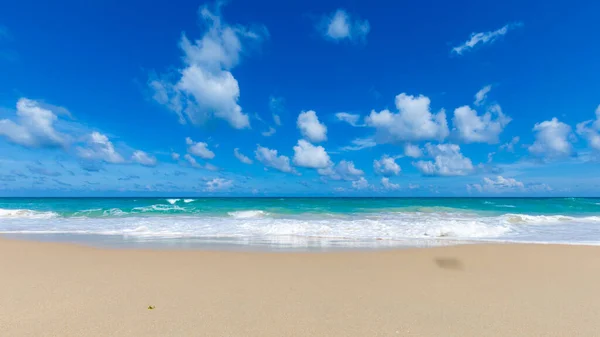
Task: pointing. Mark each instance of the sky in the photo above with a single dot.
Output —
(299, 98)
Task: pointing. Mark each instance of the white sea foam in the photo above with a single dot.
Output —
(187, 201)
(247, 214)
(26, 213)
(506, 206)
(172, 201)
(114, 212)
(251, 226)
(548, 219)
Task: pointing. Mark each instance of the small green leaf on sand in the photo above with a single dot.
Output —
(151, 307)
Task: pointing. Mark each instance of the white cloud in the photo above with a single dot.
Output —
(270, 132)
(351, 119)
(218, 184)
(538, 187)
(412, 151)
(385, 181)
(99, 148)
(359, 144)
(501, 182)
(360, 184)
(344, 170)
(210, 167)
(277, 108)
(448, 161)
(206, 88)
(241, 157)
(34, 127)
(510, 146)
(311, 156)
(192, 161)
(270, 158)
(552, 139)
(175, 156)
(497, 185)
(413, 122)
(481, 95)
(143, 158)
(340, 25)
(590, 130)
(484, 38)
(310, 127)
(199, 149)
(386, 166)
(472, 128)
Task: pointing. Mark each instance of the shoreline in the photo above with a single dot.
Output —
(309, 244)
(57, 289)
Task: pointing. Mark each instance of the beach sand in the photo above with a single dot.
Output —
(49, 289)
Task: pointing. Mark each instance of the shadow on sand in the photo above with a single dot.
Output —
(449, 263)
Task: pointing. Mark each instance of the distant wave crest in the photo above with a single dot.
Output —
(26, 213)
(247, 214)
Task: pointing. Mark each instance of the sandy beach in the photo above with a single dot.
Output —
(49, 289)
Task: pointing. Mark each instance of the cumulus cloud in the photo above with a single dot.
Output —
(413, 121)
(241, 157)
(310, 127)
(270, 158)
(481, 95)
(340, 25)
(175, 156)
(99, 148)
(472, 128)
(199, 149)
(205, 87)
(552, 139)
(386, 166)
(34, 126)
(510, 146)
(143, 158)
(344, 170)
(311, 156)
(412, 151)
(484, 38)
(385, 182)
(497, 184)
(349, 118)
(447, 161)
(359, 144)
(590, 130)
(218, 184)
(360, 184)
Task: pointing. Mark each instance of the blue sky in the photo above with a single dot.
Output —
(338, 98)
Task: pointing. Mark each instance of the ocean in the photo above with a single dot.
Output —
(300, 223)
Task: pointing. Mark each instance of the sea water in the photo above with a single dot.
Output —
(301, 223)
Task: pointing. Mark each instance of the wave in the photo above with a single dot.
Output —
(161, 208)
(247, 214)
(172, 201)
(506, 206)
(26, 213)
(548, 219)
(187, 201)
(154, 222)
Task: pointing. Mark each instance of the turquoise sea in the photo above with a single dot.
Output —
(301, 223)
